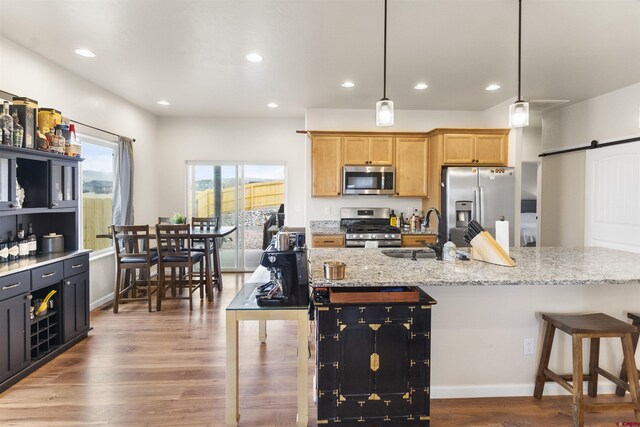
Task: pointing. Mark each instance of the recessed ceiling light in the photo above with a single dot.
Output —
(254, 57)
(163, 102)
(348, 84)
(85, 52)
(272, 105)
(421, 86)
(492, 86)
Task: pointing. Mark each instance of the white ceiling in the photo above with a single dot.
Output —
(191, 52)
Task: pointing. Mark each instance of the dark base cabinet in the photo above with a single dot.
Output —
(373, 362)
(25, 343)
(14, 328)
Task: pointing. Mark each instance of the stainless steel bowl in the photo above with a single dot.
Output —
(334, 270)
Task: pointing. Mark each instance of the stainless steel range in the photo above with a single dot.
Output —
(363, 225)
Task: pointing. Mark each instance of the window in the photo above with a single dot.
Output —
(97, 191)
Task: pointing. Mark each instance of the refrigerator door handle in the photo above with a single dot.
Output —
(476, 204)
(481, 205)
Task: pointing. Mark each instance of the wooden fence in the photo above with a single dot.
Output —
(97, 218)
(256, 195)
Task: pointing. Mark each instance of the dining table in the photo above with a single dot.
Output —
(210, 236)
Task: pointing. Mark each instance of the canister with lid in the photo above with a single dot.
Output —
(47, 117)
(52, 243)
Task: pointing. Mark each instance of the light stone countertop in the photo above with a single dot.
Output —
(535, 266)
(325, 227)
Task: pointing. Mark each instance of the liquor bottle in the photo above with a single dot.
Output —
(18, 131)
(12, 246)
(23, 243)
(33, 242)
(4, 252)
(393, 219)
(6, 123)
(401, 220)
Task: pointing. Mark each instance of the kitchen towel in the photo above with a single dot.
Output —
(502, 235)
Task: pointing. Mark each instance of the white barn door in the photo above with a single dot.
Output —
(612, 197)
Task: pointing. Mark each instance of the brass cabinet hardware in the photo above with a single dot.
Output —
(375, 362)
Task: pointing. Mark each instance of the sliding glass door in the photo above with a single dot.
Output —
(241, 195)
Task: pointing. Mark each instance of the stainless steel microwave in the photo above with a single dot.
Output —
(368, 179)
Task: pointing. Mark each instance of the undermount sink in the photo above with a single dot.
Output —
(410, 253)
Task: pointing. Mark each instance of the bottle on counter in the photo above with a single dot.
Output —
(12, 247)
(4, 252)
(41, 140)
(18, 131)
(23, 243)
(72, 146)
(6, 125)
(449, 250)
(393, 219)
(401, 225)
(33, 241)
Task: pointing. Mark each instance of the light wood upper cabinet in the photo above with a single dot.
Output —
(475, 149)
(326, 166)
(376, 150)
(412, 159)
(492, 150)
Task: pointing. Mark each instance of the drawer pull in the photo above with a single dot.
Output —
(15, 285)
(44, 276)
(77, 265)
(328, 241)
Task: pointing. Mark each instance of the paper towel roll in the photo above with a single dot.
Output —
(502, 235)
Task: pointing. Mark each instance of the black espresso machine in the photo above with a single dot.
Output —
(289, 268)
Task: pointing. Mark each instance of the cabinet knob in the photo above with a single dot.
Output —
(338, 193)
(397, 194)
(11, 205)
(54, 204)
(67, 282)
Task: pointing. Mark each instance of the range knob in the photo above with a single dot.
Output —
(386, 236)
(393, 236)
(361, 236)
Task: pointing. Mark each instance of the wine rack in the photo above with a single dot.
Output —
(45, 330)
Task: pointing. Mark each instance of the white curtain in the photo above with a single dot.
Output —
(123, 187)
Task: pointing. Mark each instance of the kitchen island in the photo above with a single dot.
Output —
(485, 312)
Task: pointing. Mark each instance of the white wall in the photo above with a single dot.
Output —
(27, 74)
(612, 116)
(328, 208)
(229, 140)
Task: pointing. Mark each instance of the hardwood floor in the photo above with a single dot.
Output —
(167, 368)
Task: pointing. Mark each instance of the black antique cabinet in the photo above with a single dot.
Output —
(14, 330)
(373, 363)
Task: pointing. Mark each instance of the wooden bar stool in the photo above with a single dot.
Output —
(592, 326)
(635, 321)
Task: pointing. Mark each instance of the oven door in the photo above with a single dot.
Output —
(368, 180)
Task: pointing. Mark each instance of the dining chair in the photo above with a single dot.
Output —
(131, 244)
(175, 251)
(208, 223)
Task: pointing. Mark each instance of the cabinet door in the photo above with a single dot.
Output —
(412, 158)
(459, 149)
(326, 166)
(15, 353)
(491, 150)
(356, 151)
(380, 150)
(75, 306)
(63, 191)
(7, 182)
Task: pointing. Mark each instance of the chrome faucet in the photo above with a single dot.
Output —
(438, 245)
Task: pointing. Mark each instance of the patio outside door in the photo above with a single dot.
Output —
(241, 195)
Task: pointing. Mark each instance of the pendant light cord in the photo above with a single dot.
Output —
(519, 50)
(384, 73)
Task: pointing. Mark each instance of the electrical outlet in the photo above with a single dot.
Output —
(528, 347)
(327, 210)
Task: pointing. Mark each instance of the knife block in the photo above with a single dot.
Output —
(485, 248)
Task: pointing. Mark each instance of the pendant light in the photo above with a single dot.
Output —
(384, 107)
(519, 110)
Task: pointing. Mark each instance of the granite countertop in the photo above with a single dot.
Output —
(536, 266)
(325, 227)
(38, 261)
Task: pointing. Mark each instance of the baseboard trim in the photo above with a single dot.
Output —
(506, 390)
(101, 301)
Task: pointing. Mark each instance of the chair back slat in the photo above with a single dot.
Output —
(173, 237)
(207, 222)
(131, 241)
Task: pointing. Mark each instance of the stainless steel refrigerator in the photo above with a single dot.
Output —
(481, 193)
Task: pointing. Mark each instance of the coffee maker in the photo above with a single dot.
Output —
(289, 268)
